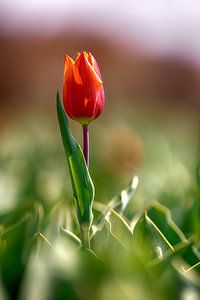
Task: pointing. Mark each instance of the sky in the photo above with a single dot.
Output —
(160, 25)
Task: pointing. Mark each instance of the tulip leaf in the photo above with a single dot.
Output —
(121, 201)
(118, 204)
(71, 236)
(83, 188)
(119, 228)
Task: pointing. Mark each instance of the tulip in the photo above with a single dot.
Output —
(83, 93)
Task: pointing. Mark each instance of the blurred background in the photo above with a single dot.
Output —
(148, 52)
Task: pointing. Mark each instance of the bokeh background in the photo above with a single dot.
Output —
(149, 56)
(148, 53)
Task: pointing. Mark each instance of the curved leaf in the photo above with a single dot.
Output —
(83, 188)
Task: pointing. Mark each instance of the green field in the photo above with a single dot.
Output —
(149, 250)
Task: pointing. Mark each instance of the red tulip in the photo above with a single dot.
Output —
(83, 93)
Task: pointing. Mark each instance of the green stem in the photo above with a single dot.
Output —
(85, 237)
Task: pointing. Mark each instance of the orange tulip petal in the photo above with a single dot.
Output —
(89, 70)
(68, 65)
(77, 76)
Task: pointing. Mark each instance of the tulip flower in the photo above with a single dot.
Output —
(83, 93)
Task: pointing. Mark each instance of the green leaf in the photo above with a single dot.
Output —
(40, 237)
(121, 201)
(83, 188)
(71, 236)
(157, 232)
(150, 239)
(118, 203)
(119, 228)
(161, 216)
(189, 273)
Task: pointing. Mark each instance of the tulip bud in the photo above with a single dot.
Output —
(83, 93)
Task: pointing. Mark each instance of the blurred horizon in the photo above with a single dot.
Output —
(148, 52)
(163, 28)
